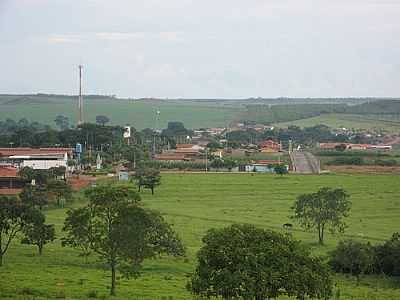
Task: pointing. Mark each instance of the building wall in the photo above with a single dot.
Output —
(259, 169)
(43, 164)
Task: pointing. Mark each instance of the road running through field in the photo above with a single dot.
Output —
(304, 163)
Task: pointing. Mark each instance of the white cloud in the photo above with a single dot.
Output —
(64, 39)
(170, 36)
(119, 36)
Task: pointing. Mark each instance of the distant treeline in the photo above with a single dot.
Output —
(267, 113)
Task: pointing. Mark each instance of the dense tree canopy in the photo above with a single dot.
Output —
(321, 210)
(148, 178)
(119, 231)
(244, 262)
(15, 216)
(352, 257)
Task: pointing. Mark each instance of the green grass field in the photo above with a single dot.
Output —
(140, 114)
(193, 113)
(194, 203)
(347, 121)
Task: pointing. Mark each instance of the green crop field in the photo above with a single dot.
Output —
(140, 114)
(197, 113)
(194, 203)
(347, 121)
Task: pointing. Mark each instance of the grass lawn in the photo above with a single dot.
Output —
(194, 203)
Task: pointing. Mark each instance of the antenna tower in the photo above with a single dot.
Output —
(80, 98)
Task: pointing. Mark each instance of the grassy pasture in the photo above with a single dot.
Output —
(140, 114)
(194, 203)
(347, 121)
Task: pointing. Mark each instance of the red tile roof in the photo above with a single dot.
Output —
(10, 191)
(170, 157)
(184, 146)
(32, 151)
(8, 172)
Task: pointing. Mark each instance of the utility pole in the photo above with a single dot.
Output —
(155, 131)
(206, 160)
(80, 98)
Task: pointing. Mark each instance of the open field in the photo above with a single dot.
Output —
(140, 114)
(196, 113)
(194, 203)
(347, 121)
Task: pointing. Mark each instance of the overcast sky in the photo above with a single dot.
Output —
(202, 48)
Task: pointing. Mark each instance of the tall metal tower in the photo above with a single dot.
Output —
(80, 98)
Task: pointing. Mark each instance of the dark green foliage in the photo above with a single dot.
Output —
(217, 163)
(119, 231)
(148, 178)
(386, 162)
(288, 112)
(353, 153)
(77, 231)
(60, 190)
(244, 262)
(352, 257)
(39, 234)
(14, 218)
(352, 160)
(39, 176)
(387, 256)
(357, 258)
(35, 196)
(375, 107)
(62, 122)
(180, 165)
(341, 147)
(102, 120)
(175, 129)
(325, 208)
(280, 170)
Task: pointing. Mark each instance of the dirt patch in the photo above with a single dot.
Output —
(363, 169)
(80, 182)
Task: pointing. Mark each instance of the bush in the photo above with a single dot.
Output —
(170, 165)
(357, 161)
(385, 163)
(387, 256)
(352, 257)
(357, 258)
(92, 294)
(351, 153)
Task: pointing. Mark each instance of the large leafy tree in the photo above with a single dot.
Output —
(60, 190)
(245, 262)
(62, 122)
(40, 177)
(77, 230)
(387, 256)
(38, 233)
(102, 120)
(14, 218)
(34, 196)
(148, 178)
(119, 231)
(321, 210)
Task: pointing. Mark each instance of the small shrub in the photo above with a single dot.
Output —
(92, 294)
(60, 294)
(385, 163)
(352, 160)
(30, 292)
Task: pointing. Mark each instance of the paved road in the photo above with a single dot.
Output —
(304, 163)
